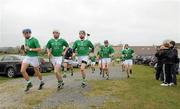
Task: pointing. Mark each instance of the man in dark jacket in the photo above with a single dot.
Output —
(159, 73)
(175, 62)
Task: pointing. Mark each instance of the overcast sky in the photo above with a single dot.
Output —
(137, 22)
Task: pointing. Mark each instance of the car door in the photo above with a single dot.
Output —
(2, 65)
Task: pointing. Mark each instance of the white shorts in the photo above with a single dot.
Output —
(57, 60)
(83, 58)
(106, 60)
(93, 63)
(33, 61)
(128, 62)
(68, 61)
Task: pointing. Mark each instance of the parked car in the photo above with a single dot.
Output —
(45, 65)
(145, 60)
(10, 65)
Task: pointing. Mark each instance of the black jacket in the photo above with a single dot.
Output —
(69, 53)
(166, 56)
(158, 56)
(175, 53)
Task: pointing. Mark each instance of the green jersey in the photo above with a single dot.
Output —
(83, 47)
(122, 57)
(128, 53)
(56, 46)
(32, 43)
(105, 52)
(93, 58)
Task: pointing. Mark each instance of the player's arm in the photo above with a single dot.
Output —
(37, 45)
(123, 53)
(112, 52)
(91, 46)
(48, 49)
(133, 53)
(74, 48)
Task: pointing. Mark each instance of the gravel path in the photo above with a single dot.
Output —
(12, 93)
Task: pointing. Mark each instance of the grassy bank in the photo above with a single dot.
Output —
(140, 92)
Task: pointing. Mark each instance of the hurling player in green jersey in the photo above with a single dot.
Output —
(82, 48)
(107, 53)
(127, 54)
(55, 49)
(31, 49)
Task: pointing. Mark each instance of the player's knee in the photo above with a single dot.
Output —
(65, 65)
(36, 69)
(56, 72)
(82, 69)
(104, 68)
(23, 70)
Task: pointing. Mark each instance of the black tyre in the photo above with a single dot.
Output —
(11, 72)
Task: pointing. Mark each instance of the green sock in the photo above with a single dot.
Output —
(60, 81)
(84, 77)
(65, 72)
(28, 81)
(84, 80)
(71, 70)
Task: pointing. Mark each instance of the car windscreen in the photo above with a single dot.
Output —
(13, 58)
(19, 58)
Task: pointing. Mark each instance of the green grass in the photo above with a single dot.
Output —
(140, 92)
(3, 79)
(29, 100)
